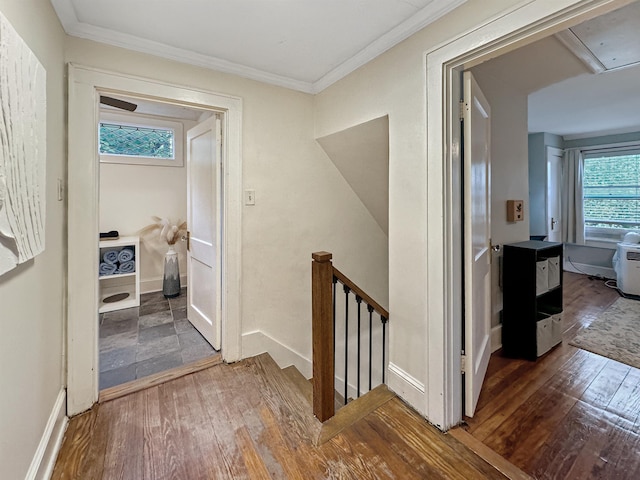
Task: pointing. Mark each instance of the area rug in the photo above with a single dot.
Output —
(615, 333)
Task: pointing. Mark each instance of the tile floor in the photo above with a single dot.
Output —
(151, 338)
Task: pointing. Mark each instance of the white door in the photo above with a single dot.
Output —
(204, 221)
(477, 241)
(554, 182)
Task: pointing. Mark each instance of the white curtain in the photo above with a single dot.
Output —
(572, 202)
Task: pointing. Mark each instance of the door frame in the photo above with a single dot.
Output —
(524, 23)
(558, 153)
(85, 86)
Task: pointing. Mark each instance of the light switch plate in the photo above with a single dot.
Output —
(249, 197)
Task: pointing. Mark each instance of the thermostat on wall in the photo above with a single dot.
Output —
(515, 210)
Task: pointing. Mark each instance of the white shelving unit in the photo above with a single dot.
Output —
(123, 282)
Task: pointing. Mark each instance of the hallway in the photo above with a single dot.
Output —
(249, 420)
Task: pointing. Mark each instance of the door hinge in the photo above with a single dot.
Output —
(463, 363)
(220, 130)
(462, 107)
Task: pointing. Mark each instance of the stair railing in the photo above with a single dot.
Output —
(325, 278)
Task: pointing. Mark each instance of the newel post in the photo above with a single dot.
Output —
(322, 326)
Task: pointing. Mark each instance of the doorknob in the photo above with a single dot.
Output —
(493, 249)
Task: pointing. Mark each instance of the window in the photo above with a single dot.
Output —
(135, 139)
(611, 191)
(118, 139)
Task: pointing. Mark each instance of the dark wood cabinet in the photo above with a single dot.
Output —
(532, 298)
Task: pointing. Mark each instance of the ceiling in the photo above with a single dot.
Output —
(302, 44)
(583, 89)
(157, 109)
(582, 82)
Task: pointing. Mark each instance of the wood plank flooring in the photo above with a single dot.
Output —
(571, 414)
(250, 421)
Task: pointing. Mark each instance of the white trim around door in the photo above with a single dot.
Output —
(85, 86)
(526, 22)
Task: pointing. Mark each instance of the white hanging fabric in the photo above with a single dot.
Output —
(572, 197)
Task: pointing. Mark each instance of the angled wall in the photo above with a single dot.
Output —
(361, 154)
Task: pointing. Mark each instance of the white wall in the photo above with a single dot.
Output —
(32, 295)
(302, 205)
(130, 195)
(394, 84)
(509, 167)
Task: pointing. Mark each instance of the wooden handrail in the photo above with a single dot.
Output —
(322, 333)
(322, 276)
(358, 291)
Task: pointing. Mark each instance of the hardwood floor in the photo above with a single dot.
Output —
(250, 421)
(571, 414)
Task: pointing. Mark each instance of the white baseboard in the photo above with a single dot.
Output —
(257, 342)
(496, 338)
(587, 269)
(407, 387)
(44, 459)
(155, 284)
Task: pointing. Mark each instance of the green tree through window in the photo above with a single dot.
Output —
(612, 192)
(136, 141)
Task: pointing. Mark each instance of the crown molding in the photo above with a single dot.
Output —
(72, 26)
(69, 20)
(424, 17)
(602, 133)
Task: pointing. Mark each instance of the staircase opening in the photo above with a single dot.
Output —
(350, 338)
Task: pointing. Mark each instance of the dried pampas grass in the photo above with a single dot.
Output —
(169, 232)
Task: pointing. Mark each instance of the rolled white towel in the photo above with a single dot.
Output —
(110, 256)
(107, 269)
(125, 255)
(127, 267)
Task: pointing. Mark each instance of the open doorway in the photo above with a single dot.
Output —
(444, 64)
(86, 85)
(145, 220)
(516, 406)
(547, 98)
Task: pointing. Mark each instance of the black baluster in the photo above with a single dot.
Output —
(335, 281)
(370, 308)
(384, 320)
(359, 300)
(346, 341)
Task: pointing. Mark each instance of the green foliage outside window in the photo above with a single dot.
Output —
(612, 192)
(136, 141)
